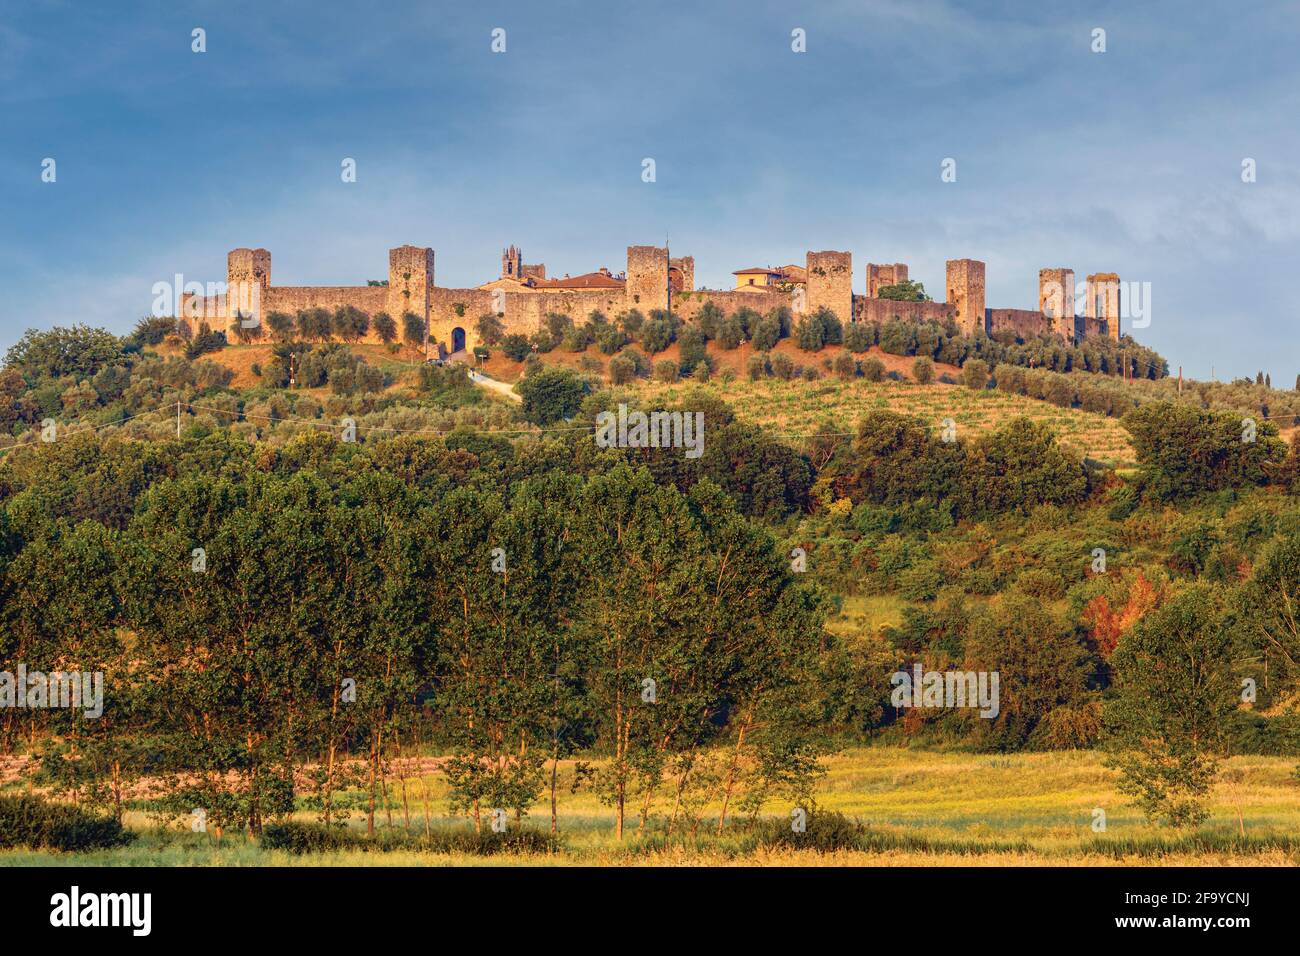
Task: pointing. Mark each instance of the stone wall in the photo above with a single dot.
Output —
(1025, 323)
(729, 301)
(883, 310)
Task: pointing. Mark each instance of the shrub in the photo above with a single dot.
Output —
(767, 334)
(858, 337)
(301, 838)
(845, 366)
(783, 366)
(666, 371)
(873, 370)
(516, 347)
(825, 831)
(32, 822)
(621, 370)
(756, 367)
(810, 334)
(692, 351)
(923, 371)
(730, 332)
(543, 340)
(655, 336)
(975, 374)
(550, 395)
(609, 339)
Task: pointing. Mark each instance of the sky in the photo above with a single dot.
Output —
(1127, 161)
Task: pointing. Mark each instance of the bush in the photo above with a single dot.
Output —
(516, 347)
(32, 822)
(301, 838)
(825, 831)
(550, 395)
(923, 371)
(730, 332)
(691, 349)
(873, 370)
(783, 366)
(656, 335)
(767, 334)
(756, 367)
(975, 373)
(621, 370)
(858, 337)
(845, 366)
(666, 371)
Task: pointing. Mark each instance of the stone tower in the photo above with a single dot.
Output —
(248, 274)
(830, 283)
(966, 294)
(512, 263)
(684, 280)
(647, 278)
(1056, 300)
(878, 275)
(410, 277)
(1101, 300)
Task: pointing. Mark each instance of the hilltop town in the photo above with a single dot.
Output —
(523, 295)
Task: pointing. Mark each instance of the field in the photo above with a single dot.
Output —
(796, 408)
(920, 808)
(789, 408)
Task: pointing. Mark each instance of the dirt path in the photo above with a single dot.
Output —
(491, 384)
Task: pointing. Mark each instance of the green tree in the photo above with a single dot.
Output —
(490, 328)
(905, 291)
(385, 327)
(551, 395)
(1167, 714)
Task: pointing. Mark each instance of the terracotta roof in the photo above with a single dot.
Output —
(591, 280)
(756, 271)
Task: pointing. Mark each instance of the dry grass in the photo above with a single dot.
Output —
(942, 809)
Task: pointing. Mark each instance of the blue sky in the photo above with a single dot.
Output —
(1126, 161)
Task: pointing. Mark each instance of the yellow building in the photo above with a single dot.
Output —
(769, 277)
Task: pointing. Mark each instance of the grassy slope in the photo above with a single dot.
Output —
(791, 408)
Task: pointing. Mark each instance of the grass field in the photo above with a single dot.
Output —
(789, 409)
(796, 408)
(921, 808)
